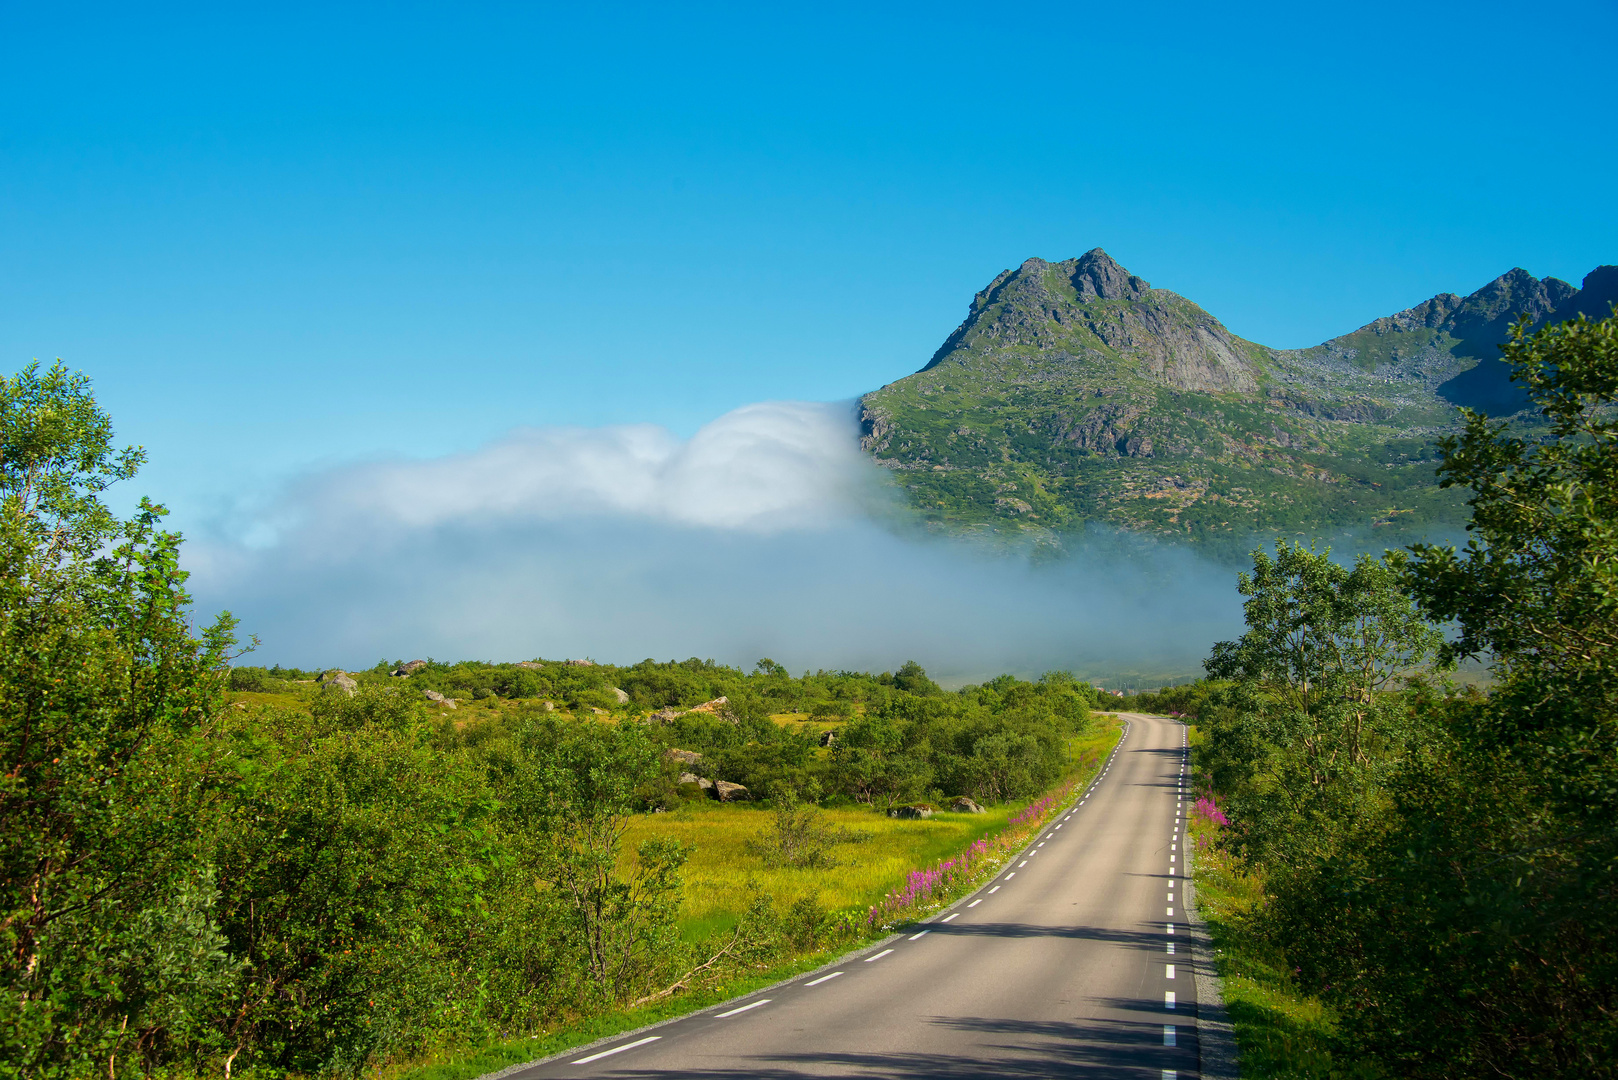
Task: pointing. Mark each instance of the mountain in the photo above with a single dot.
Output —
(1075, 393)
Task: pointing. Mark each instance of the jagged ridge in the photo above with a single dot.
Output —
(1075, 392)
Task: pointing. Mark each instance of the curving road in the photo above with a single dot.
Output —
(1064, 965)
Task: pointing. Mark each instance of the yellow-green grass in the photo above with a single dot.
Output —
(723, 874)
(1281, 1032)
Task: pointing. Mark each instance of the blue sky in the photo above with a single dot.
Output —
(280, 238)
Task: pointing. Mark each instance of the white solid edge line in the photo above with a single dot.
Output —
(878, 956)
(744, 1008)
(823, 978)
(617, 1050)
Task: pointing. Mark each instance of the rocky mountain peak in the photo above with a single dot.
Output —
(1095, 273)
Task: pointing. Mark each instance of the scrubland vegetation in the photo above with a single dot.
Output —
(218, 869)
(1411, 879)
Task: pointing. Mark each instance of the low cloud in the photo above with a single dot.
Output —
(766, 533)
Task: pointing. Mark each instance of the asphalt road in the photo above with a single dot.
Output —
(1064, 965)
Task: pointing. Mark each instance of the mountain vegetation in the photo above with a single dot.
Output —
(1075, 394)
(1437, 867)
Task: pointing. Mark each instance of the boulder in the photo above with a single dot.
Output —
(729, 792)
(409, 668)
(827, 738)
(964, 805)
(339, 684)
(692, 778)
(548, 706)
(438, 699)
(911, 812)
(530, 665)
(663, 716)
(580, 663)
(712, 706)
(623, 698)
(598, 712)
(684, 757)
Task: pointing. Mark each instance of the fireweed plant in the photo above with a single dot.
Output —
(929, 888)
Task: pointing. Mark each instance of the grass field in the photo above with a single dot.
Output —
(1281, 1032)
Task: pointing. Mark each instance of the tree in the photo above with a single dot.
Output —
(107, 941)
(1309, 735)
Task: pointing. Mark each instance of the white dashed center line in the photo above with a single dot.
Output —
(924, 933)
(952, 915)
(744, 1008)
(1168, 999)
(976, 902)
(823, 978)
(1169, 974)
(878, 956)
(994, 890)
(1168, 1034)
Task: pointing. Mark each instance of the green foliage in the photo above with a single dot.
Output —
(1457, 914)
(1309, 733)
(107, 936)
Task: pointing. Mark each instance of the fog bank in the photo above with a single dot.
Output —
(766, 533)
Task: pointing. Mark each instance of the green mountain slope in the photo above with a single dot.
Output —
(1076, 393)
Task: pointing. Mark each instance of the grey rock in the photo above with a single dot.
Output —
(911, 813)
(623, 698)
(684, 757)
(729, 792)
(409, 668)
(692, 778)
(964, 805)
(339, 684)
(827, 738)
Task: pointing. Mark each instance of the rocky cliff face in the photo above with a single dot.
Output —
(1092, 308)
(1074, 391)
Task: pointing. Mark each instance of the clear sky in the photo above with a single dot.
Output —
(282, 237)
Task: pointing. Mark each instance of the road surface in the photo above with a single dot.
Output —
(1064, 965)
